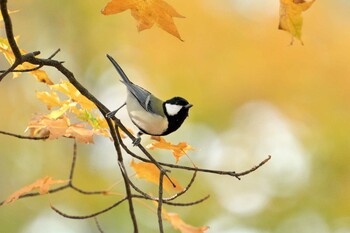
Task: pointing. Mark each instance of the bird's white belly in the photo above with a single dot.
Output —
(150, 123)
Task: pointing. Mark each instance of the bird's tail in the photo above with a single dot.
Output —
(125, 78)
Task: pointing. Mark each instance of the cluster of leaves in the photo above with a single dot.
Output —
(80, 116)
(150, 12)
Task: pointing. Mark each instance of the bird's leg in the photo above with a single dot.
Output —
(111, 114)
(137, 140)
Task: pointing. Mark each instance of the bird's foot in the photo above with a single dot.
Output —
(137, 141)
(111, 114)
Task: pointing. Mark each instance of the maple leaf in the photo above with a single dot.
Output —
(72, 92)
(62, 110)
(180, 225)
(56, 123)
(50, 99)
(147, 13)
(151, 173)
(40, 75)
(55, 127)
(178, 150)
(60, 127)
(291, 19)
(80, 133)
(43, 185)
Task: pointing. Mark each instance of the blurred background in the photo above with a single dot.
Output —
(254, 95)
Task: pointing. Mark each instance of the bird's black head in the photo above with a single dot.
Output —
(176, 110)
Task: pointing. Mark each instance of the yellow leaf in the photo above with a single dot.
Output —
(59, 112)
(180, 225)
(178, 150)
(151, 173)
(42, 185)
(147, 13)
(50, 99)
(291, 19)
(69, 90)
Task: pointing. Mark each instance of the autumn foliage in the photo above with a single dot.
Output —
(74, 113)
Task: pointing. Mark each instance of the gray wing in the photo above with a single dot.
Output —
(143, 96)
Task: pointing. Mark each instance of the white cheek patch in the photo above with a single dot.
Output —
(172, 109)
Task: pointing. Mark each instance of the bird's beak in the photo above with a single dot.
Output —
(188, 106)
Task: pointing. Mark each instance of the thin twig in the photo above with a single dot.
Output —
(98, 225)
(35, 68)
(160, 202)
(23, 137)
(72, 168)
(34, 194)
(218, 172)
(91, 215)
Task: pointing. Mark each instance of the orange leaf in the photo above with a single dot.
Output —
(180, 225)
(42, 185)
(10, 57)
(56, 127)
(290, 16)
(147, 13)
(80, 133)
(151, 173)
(178, 150)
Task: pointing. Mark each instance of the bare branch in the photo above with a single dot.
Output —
(160, 202)
(9, 31)
(90, 215)
(23, 137)
(35, 68)
(98, 225)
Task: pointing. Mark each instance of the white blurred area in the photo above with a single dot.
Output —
(49, 222)
(258, 129)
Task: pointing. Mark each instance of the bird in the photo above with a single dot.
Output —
(148, 113)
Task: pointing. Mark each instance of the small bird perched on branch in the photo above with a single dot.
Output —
(151, 115)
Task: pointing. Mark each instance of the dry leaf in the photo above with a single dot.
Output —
(291, 19)
(180, 225)
(60, 127)
(43, 185)
(178, 150)
(147, 13)
(151, 173)
(80, 133)
(56, 127)
(78, 105)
